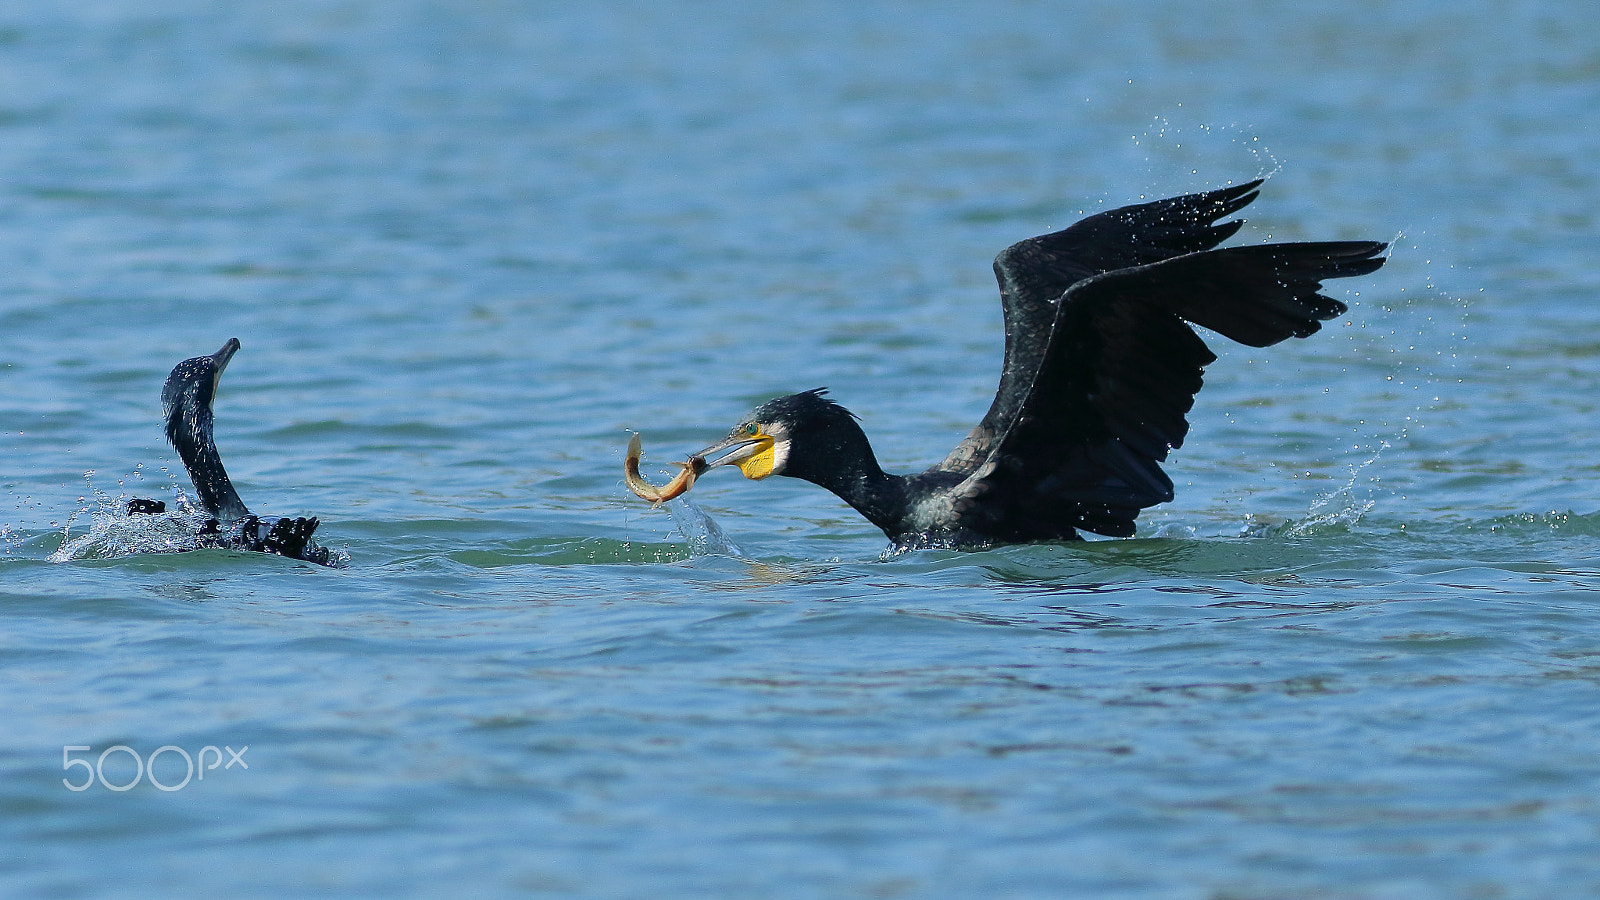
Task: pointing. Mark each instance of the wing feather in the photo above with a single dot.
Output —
(1119, 372)
(1035, 273)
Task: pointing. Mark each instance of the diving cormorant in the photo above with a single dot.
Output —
(186, 402)
(1101, 367)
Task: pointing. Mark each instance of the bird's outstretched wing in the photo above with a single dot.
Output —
(1035, 273)
(1119, 372)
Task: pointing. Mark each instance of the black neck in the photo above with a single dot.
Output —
(879, 497)
(190, 433)
(850, 470)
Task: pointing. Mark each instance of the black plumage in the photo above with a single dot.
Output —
(1101, 369)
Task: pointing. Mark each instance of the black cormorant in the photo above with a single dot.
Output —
(1101, 367)
(186, 401)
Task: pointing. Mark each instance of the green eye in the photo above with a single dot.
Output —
(752, 429)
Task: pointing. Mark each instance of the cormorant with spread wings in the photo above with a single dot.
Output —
(1101, 368)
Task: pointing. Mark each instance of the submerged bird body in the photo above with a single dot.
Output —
(1101, 368)
(186, 401)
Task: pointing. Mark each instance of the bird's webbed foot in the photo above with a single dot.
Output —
(290, 537)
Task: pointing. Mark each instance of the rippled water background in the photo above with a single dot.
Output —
(468, 246)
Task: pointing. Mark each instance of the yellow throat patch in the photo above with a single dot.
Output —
(759, 464)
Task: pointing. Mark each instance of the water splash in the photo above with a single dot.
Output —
(1258, 525)
(1174, 531)
(705, 536)
(1178, 141)
(1342, 507)
(114, 532)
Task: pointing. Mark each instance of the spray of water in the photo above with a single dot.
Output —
(705, 536)
(1344, 506)
(113, 532)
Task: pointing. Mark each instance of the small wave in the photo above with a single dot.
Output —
(557, 551)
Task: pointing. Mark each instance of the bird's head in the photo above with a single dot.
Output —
(803, 435)
(187, 396)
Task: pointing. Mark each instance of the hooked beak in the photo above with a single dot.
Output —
(220, 360)
(221, 357)
(752, 448)
(734, 449)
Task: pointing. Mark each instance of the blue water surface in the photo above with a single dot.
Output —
(469, 246)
